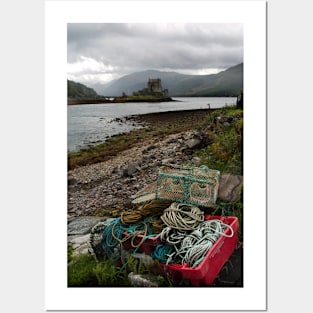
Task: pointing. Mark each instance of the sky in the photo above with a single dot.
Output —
(99, 53)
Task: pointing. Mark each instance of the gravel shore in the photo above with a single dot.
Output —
(106, 186)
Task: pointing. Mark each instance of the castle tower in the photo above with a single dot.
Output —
(154, 85)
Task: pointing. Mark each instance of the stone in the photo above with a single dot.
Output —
(83, 249)
(82, 225)
(196, 161)
(193, 143)
(230, 187)
(172, 140)
(167, 161)
(71, 181)
(132, 168)
(75, 245)
(80, 240)
(151, 147)
(140, 280)
(70, 219)
(115, 170)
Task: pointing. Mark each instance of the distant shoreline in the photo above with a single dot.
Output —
(159, 125)
(116, 100)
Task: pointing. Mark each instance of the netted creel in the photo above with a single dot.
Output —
(190, 185)
(183, 184)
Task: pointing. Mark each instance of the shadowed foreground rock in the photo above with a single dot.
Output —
(230, 187)
(82, 225)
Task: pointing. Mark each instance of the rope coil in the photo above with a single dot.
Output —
(154, 207)
(110, 235)
(191, 246)
(186, 237)
(182, 216)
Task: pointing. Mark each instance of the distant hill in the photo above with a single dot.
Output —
(225, 83)
(79, 91)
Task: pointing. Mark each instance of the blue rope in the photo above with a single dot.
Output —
(162, 252)
(109, 243)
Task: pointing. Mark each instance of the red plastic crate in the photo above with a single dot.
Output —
(205, 273)
(147, 246)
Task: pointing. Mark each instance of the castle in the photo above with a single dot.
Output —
(154, 87)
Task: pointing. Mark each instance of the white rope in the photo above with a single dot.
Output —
(192, 247)
(182, 216)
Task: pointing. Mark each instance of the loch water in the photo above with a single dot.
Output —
(92, 124)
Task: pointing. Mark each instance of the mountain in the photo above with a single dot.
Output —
(225, 83)
(79, 91)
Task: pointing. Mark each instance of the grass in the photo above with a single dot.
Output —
(85, 271)
(225, 153)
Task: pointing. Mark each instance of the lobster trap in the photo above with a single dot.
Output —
(190, 185)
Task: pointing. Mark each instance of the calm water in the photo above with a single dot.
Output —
(93, 124)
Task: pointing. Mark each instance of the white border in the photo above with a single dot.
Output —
(253, 295)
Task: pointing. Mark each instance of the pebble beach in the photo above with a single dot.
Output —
(106, 187)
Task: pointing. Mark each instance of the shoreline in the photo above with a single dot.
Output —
(102, 180)
(116, 100)
(157, 126)
(153, 118)
(169, 115)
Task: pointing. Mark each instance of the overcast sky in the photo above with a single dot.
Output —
(99, 53)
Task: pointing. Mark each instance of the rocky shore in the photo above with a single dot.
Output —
(101, 188)
(117, 100)
(106, 188)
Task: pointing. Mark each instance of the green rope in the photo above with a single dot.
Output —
(114, 233)
(163, 253)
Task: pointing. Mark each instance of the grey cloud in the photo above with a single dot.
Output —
(134, 47)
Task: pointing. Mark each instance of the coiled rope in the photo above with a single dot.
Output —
(115, 233)
(190, 246)
(163, 252)
(182, 216)
(196, 245)
(186, 236)
(95, 237)
(154, 207)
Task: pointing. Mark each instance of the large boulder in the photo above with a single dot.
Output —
(131, 169)
(230, 187)
(82, 225)
(193, 143)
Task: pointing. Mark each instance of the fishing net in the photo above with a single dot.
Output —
(190, 185)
